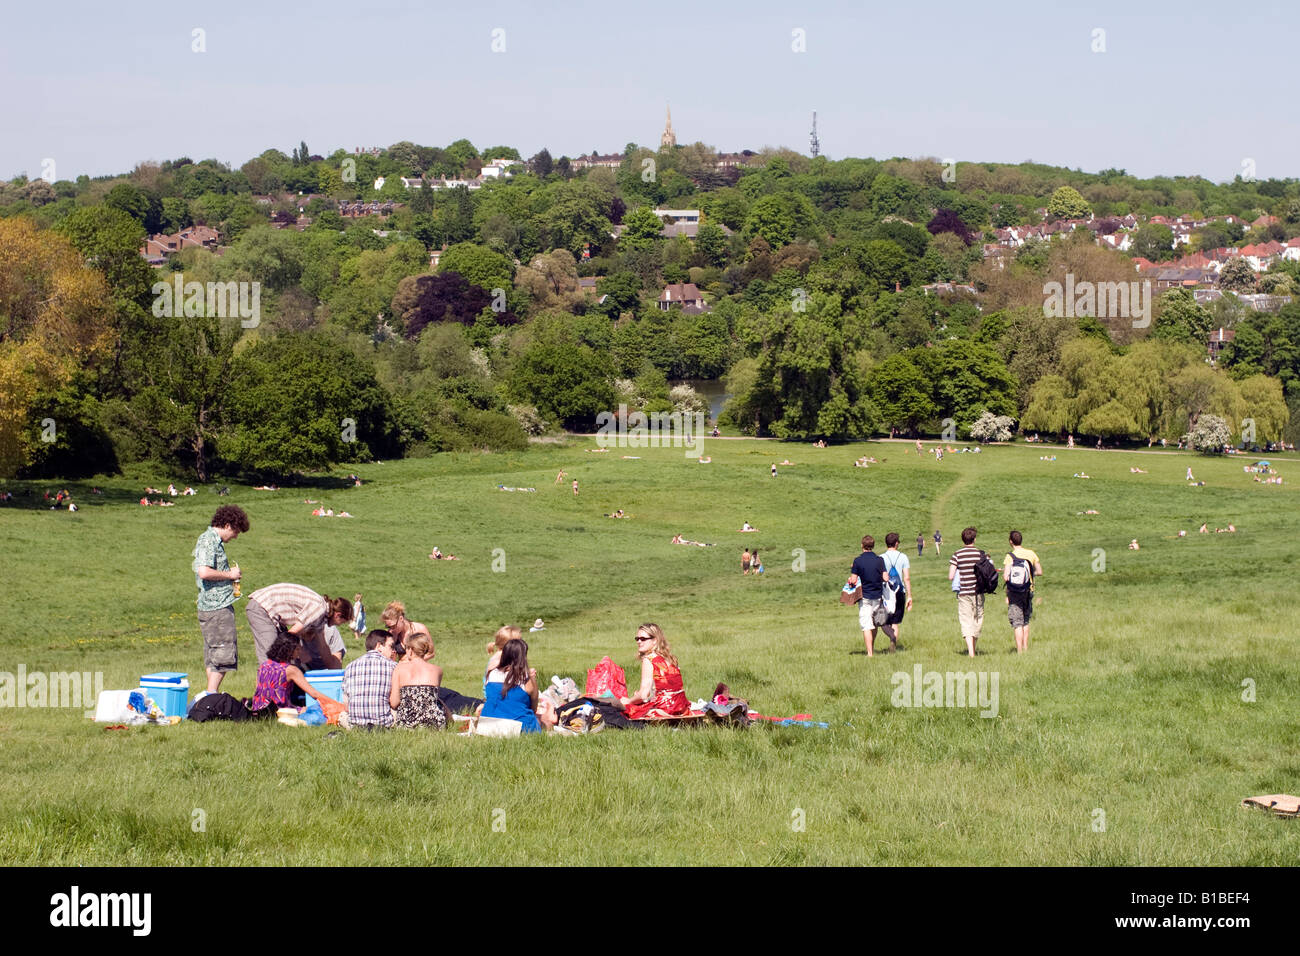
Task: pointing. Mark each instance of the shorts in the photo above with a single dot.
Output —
(865, 610)
(1020, 610)
(220, 650)
(900, 608)
(970, 614)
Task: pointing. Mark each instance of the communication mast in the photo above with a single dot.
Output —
(815, 145)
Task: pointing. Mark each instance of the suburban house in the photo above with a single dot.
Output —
(441, 183)
(949, 288)
(679, 215)
(498, 169)
(587, 286)
(158, 248)
(597, 161)
(684, 294)
(1218, 339)
(350, 209)
(1262, 254)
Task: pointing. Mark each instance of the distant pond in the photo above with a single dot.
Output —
(712, 390)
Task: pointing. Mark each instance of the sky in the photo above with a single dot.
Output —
(1197, 88)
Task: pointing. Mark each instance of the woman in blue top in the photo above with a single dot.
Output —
(511, 688)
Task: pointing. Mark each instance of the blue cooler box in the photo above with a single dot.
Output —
(329, 683)
(170, 690)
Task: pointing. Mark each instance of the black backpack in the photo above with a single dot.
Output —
(219, 706)
(986, 575)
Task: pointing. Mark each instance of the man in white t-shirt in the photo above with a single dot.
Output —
(896, 559)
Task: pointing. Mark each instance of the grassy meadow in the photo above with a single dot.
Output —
(1121, 738)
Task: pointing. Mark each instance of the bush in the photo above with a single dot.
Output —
(990, 427)
(1210, 435)
(529, 420)
(686, 399)
(467, 429)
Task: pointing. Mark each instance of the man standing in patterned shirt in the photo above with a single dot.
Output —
(368, 680)
(215, 579)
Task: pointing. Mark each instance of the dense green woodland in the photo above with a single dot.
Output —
(812, 269)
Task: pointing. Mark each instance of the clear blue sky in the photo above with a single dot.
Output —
(1194, 88)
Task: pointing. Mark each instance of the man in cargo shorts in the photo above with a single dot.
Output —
(215, 579)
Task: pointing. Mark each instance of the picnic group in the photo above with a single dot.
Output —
(395, 682)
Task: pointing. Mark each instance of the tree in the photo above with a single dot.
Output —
(711, 244)
(1180, 318)
(781, 218)
(1049, 406)
(806, 382)
(1265, 407)
(299, 402)
(551, 280)
(568, 383)
(641, 227)
(443, 297)
(575, 217)
(902, 392)
(945, 220)
(55, 320)
(1237, 276)
(1216, 235)
(479, 264)
(1111, 419)
(621, 291)
(1067, 203)
(969, 379)
(136, 204)
(1154, 241)
(541, 164)
(178, 370)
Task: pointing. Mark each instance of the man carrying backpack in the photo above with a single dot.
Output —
(898, 571)
(970, 594)
(1019, 569)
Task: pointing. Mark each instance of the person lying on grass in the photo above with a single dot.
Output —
(277, 675)
(660, 694)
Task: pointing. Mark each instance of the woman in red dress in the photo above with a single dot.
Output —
(660, 693)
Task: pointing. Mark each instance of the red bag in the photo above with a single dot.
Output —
(606, 678)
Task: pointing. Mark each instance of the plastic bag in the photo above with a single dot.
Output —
(606, 679)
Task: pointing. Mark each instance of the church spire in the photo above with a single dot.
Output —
(669, 138)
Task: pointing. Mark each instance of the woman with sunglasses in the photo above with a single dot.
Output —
(396, 622)
(660, 694)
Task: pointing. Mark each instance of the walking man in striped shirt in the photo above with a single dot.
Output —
(970, 603)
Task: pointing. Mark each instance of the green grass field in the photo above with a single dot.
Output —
(1127, 711)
